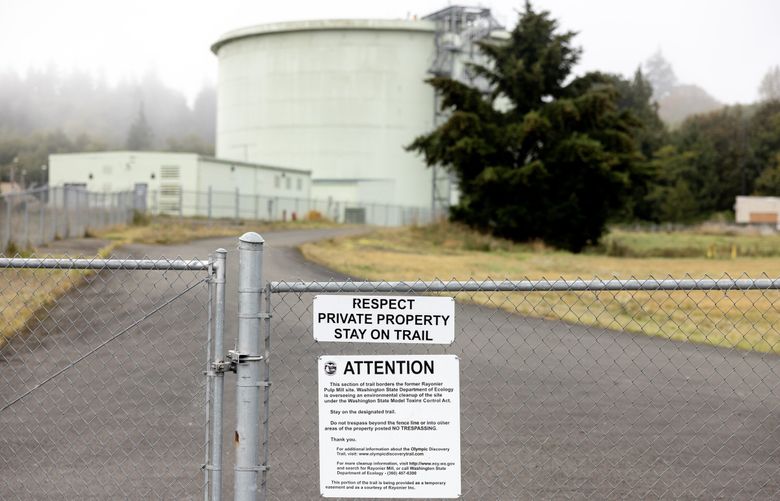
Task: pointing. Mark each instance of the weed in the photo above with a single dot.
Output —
(141, 218)
(13, 249)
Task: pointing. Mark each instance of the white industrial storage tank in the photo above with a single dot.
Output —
(340, 98)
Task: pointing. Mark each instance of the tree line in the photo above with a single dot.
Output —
(48, 111)
(543, 154)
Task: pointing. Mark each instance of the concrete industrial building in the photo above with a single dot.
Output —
(186, 183)
(342, 98)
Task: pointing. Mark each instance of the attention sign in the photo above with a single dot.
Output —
(384, 319)
(389, 426)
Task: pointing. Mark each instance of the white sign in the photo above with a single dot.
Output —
(384, 319)
(389, 426)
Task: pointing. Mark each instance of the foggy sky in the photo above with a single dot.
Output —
(723, 46)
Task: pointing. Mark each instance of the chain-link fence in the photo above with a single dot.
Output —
(603, 389)
(215, 204)
(568, 389)
(38, 216)
(102, 386)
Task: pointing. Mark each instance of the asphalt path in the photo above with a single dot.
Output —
(548, 409)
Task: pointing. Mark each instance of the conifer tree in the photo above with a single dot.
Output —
(139, 137)
(540, 156)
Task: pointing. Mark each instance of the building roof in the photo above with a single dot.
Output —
(200, 157)
(249, 164)
(324, 25)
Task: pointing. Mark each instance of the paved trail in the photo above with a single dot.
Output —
(549, 410)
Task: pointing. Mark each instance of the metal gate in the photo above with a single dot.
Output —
(103, 393)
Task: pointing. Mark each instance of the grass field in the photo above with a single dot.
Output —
(699, 243)
(25, 293)
(746, 320)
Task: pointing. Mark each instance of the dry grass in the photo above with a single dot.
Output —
(744, 320)
(26, 293)
(166, 230)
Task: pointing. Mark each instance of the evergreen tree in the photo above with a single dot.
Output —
(139, 137)
(661, 75)
(769, 89)
(636, 96)
(554, 160)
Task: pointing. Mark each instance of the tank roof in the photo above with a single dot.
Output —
(324, 25)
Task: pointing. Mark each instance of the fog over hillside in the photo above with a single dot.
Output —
(77, 103)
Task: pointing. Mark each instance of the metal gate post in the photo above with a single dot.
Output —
(246, 437)
(266, 394)
(218, 376)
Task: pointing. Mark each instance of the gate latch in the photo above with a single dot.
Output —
(234, 357)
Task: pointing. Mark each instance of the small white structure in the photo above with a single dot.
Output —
(187, 184)
(757, 211)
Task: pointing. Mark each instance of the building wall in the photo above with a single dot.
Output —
(224, 175)
(339, 98)
(251, 191)
(122, 170)
(178, 183)
(757, 210)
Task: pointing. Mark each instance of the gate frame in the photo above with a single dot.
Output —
(215, 267)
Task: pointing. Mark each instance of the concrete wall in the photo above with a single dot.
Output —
(339, 98)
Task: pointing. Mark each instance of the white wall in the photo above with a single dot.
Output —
(339, 98)
(264, 192)
(745, 206)
(252, 179)
(121, 170)
(187, 191)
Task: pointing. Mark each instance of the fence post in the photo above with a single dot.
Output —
(7, 236)
(41, 218)
(79, 216)
(218, 375)
(238, 201)
(208, 201)
(26, 242)
(52, 202)
(181, 204)
(246, 437)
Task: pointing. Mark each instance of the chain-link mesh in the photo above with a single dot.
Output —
(237, 205)
(102, 390)
(572, 389)
(41, 215)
